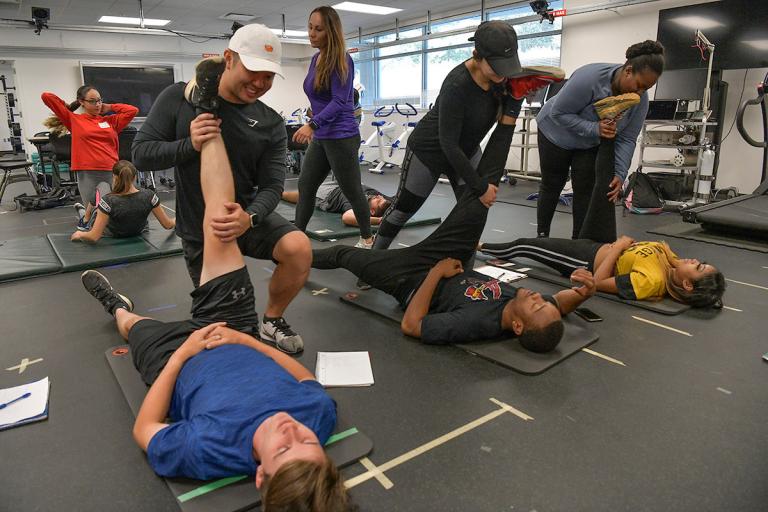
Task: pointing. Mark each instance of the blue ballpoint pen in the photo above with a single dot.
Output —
(25, 395)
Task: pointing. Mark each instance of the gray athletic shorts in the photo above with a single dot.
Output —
(89, 181)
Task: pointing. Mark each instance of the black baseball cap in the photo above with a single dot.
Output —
(496, 42)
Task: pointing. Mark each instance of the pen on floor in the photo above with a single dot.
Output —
(22, 397)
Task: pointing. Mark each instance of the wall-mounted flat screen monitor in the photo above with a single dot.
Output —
(135, 84)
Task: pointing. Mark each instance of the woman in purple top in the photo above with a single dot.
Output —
(333, 134)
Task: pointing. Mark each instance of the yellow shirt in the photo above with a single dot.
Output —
(640, 272)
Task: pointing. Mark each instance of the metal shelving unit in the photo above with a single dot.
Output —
(705, 136)
(524, 146)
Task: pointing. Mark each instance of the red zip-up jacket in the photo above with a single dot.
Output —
(94, 138)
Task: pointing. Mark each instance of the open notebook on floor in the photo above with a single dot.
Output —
(335, 369)
(502, 274)
(24, 404)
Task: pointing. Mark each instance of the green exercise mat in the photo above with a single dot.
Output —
(504, 352)
(325, 226)
(164, 240)
(26, 257)
(107, 251)
(344, 447)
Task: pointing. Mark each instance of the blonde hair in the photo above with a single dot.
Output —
(334, 59)
(306, 486)
(55, 126)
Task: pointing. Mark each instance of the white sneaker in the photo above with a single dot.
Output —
(278, 331)
(362, 244)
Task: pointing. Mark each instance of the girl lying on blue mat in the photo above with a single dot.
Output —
(123, 212)
(632, 270)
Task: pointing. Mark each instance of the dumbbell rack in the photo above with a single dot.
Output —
(15, 127)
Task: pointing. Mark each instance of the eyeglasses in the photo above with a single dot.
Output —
(94, 102)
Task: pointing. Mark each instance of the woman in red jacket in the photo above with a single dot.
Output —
(94, 139)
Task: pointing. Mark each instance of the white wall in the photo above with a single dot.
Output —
(604, 36)
(51, 62)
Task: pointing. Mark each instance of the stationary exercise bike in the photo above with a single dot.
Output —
(383, 129)
(400, 142)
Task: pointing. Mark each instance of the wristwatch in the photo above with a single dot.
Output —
(312, 124)
(254, 219)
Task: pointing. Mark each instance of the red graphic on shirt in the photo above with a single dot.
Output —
(478, 291)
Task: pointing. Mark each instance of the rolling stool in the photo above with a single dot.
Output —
(7, 170)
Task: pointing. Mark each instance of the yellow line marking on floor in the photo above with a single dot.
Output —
(602, 356)
(169, 209)
(732, 309)
(377, 474)
(747, 284)
(662, 326)
(503, 408)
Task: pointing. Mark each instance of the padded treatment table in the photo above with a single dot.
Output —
(7, 176)
(697, 233)
(25, 257)
(344, 447)
(107, 251)
(666, 306)
(505, 352)
(325, 226)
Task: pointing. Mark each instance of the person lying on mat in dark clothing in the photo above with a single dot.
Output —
(632, 270)
(444, 303)
(236, 405)
(123, 212)
(329, 198)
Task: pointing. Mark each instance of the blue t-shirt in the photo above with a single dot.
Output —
(220, 399)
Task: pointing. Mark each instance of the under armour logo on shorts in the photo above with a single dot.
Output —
(238, 294)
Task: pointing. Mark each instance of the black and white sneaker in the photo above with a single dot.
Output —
(98, 286)
(278, 332)
(203, 91)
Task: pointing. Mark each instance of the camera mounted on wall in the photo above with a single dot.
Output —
(40, 18)
(541, 7)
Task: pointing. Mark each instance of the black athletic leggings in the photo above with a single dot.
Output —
(591, 171)
(417, 181)
(339, 155)
(561, 254)
(399, 271)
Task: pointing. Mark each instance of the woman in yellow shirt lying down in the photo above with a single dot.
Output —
(632, 270)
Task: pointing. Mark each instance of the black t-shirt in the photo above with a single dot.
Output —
(449, 134)
(255, 138)
(128, 213)
(468, 307)
(336, 202)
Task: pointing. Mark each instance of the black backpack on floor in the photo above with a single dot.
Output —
(55, 197)
(641, 195)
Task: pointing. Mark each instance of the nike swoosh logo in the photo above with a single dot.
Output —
(506, 50)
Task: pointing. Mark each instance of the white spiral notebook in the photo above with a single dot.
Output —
(340, 369)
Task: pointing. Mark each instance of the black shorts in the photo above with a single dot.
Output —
(258, 243)
(227, 298)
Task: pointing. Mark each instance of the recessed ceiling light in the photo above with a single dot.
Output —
(290, 33)
(697, 22)
(122, 20)
(236, 16)
(758, 44)
(365, 8)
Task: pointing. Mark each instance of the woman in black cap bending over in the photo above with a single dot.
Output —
(447, 139)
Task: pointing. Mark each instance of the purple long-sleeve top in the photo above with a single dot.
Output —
(333, 110)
